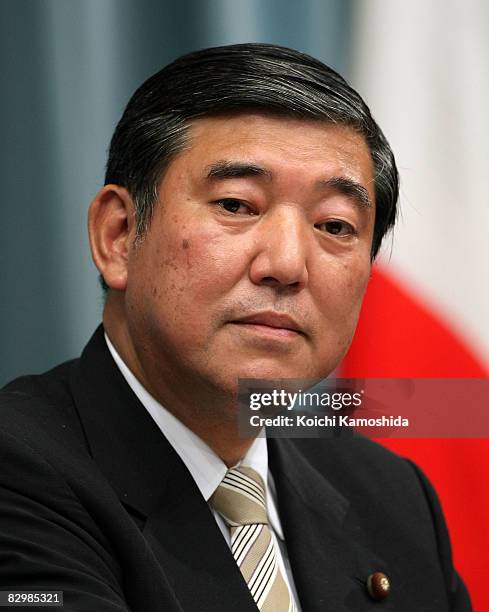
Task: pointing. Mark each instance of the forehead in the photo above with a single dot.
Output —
(282, 145)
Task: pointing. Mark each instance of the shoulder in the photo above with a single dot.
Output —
(39, 412)
(381, 487)
(43, 450)
(366, 463)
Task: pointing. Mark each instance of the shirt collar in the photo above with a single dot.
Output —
(206, 468)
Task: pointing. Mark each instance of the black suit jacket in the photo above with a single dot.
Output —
(95, 502)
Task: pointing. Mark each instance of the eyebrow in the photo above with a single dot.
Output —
(349, 188)
(232, 169)
(342, 184)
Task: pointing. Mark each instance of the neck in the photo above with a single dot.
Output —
(204, 409)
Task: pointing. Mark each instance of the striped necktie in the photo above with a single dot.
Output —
(240, 500)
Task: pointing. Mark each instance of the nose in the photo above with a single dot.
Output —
(280, 256)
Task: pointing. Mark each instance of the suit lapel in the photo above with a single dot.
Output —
(122, 437)
(329, 565)
(154, 484)
(189, 545)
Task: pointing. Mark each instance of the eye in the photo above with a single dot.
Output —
(335, 227)
(233, 206)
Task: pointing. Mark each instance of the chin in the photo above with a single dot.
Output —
(267, 371)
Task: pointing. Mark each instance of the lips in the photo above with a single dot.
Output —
(271, 319)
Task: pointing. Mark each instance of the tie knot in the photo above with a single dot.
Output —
(240, 498)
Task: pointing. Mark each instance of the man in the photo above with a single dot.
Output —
(247, 192)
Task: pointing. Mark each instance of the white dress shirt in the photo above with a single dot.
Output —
(206, 468)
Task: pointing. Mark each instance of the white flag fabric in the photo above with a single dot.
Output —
(423, 68)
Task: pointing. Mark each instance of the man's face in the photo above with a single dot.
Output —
(257, 256)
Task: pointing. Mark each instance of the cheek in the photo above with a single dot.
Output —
(356, 283)
(341, 295)
(196, 268)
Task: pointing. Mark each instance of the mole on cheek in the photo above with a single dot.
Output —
(185, 243)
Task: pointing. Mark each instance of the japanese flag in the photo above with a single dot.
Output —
(423, 68)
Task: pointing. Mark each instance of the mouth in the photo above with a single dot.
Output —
(273, 324)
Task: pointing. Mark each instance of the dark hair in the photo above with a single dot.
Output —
(236, 78)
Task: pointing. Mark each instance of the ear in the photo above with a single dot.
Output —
(112, 230)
